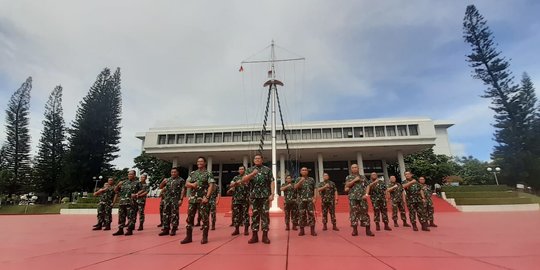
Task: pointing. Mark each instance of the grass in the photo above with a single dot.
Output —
(488, 195)
(492, 201)
(31, 209)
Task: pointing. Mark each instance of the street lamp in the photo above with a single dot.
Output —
(97, 179)
(495, 172)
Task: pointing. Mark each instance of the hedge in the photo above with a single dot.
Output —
(482, 194)
(475, 188)
(492, 201)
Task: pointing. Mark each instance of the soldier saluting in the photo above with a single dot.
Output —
(305, 188)
(172, 190)
(356, 185)
(329, 198)
(105, 205)
(127, 191)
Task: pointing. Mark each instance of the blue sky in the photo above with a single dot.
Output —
(180, 60)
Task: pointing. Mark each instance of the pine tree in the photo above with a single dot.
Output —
(95, 133)
(50, 159)
(531, 115)
(510, 102)
(16, 150)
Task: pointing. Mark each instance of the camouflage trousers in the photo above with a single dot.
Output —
(306, 213)
(161, 205)
(203, 209)
(171, 215)
(260, 215)
(128, 211)
(380, 209)
(213, 212)
(359, 212)
(328, 207)
(140, 211)
(398, 205)
(429, 212)
(416, 209)
(291, 213)
(104, 214)
(241, 214)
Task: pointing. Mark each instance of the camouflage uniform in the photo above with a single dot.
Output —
(105, 205)
(397, 202)
(328, 198)
(203, 179)
(358, 206)
(240, 202)
(414, 203)
(378, 199)
(306, 207)
(141, 202)
(161, 206)
(127, 206)
(429, 203)
(260, 190)
(291, 207)
(171, 199)
(212, 202)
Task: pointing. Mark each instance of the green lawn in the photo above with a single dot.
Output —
(31, 209)
(488, 195)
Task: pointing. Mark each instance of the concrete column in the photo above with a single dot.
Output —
(316, 172)
(360, 162)
(282, 171)
(220, 174)
(385, 171)
(175, 162)
(245, 161)
(209, 163)
(320, 163)
(401, 162)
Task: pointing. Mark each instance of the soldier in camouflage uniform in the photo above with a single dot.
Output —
(305, 190)
(378, 199)
(214, 201)
(329, 198)
(415, 201)
(105, 205)
(201, 184)
(261, 186)
(173, 193)
(127, 208)
(240, 193)
(141, 200)
(291, 207)
(429, 202)
(356, 184)
(398, 202)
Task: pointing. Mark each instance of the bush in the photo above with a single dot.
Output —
(479, 188)
(482, 194)
(65, 200)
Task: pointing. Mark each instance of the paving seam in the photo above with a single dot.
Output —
(208, 253)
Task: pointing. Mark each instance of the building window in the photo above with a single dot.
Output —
(218, 137)
(391, 131)
(227, 137)
(369, 131)
(199, 138)
(246, 136)
(316, 134)
(180, 138)
(337, 133)
(379, 131)
(347, 133)
(256, 136)
(268, 135)
(208, 137)
(162, 139)
(236, 136)
(295, 135)
(327, 133)
(413, 130)
(171, 138)
(190, 138)
(359, 132)
(402, 130)
(306, 134)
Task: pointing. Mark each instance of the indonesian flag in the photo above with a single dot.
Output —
(241, 69)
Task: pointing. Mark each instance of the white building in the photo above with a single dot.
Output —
(329, 146)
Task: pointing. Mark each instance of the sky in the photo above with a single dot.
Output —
(180, 61)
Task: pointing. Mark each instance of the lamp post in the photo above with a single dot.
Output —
(97, 179)
(495, 172)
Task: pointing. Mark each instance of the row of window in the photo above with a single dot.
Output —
(295, 134)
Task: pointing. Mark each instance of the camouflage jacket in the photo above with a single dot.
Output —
(306, 191)
(260, 185)
(328, 195)
(203, 179)
(427, 193)
(144, 187)
(413, 192)
(357, 191)
(241, 190)
(128, 187)
(396, 194)
(378, 191)
(290, 193)
(107, 196)
(173, 190)
(215, 193)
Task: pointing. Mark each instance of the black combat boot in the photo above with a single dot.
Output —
(334, 227)
(232, 225)
(354, 230)
(213, 226)
(119, 232)
(129, 232)
(160, 225)
(97, 228)
(313, 233)
(368, 231)
(97, 225)
(377, 226)
(431, 224)
(287, 228)
(254, 237)
(188, 238)
(324, 228)
(236, 231)
(414, 227)
(163, 232)
(107, 227)
(386, 227)
(265, 237)
(425, 227)
(204, 239)
(140, 227)
(246, 230)
(396, 224)
(173, 231)
(405, 224)
(301, 233)
(295, 227)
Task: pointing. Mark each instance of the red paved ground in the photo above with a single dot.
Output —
(463, 241)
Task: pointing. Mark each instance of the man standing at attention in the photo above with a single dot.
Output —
(305, 187)
(398, 201)
(240, 191)
(356, 185)
(127, 191)
(378, 199)
(172, 191)
(291, 209)
(105, 205)
(329, 198)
